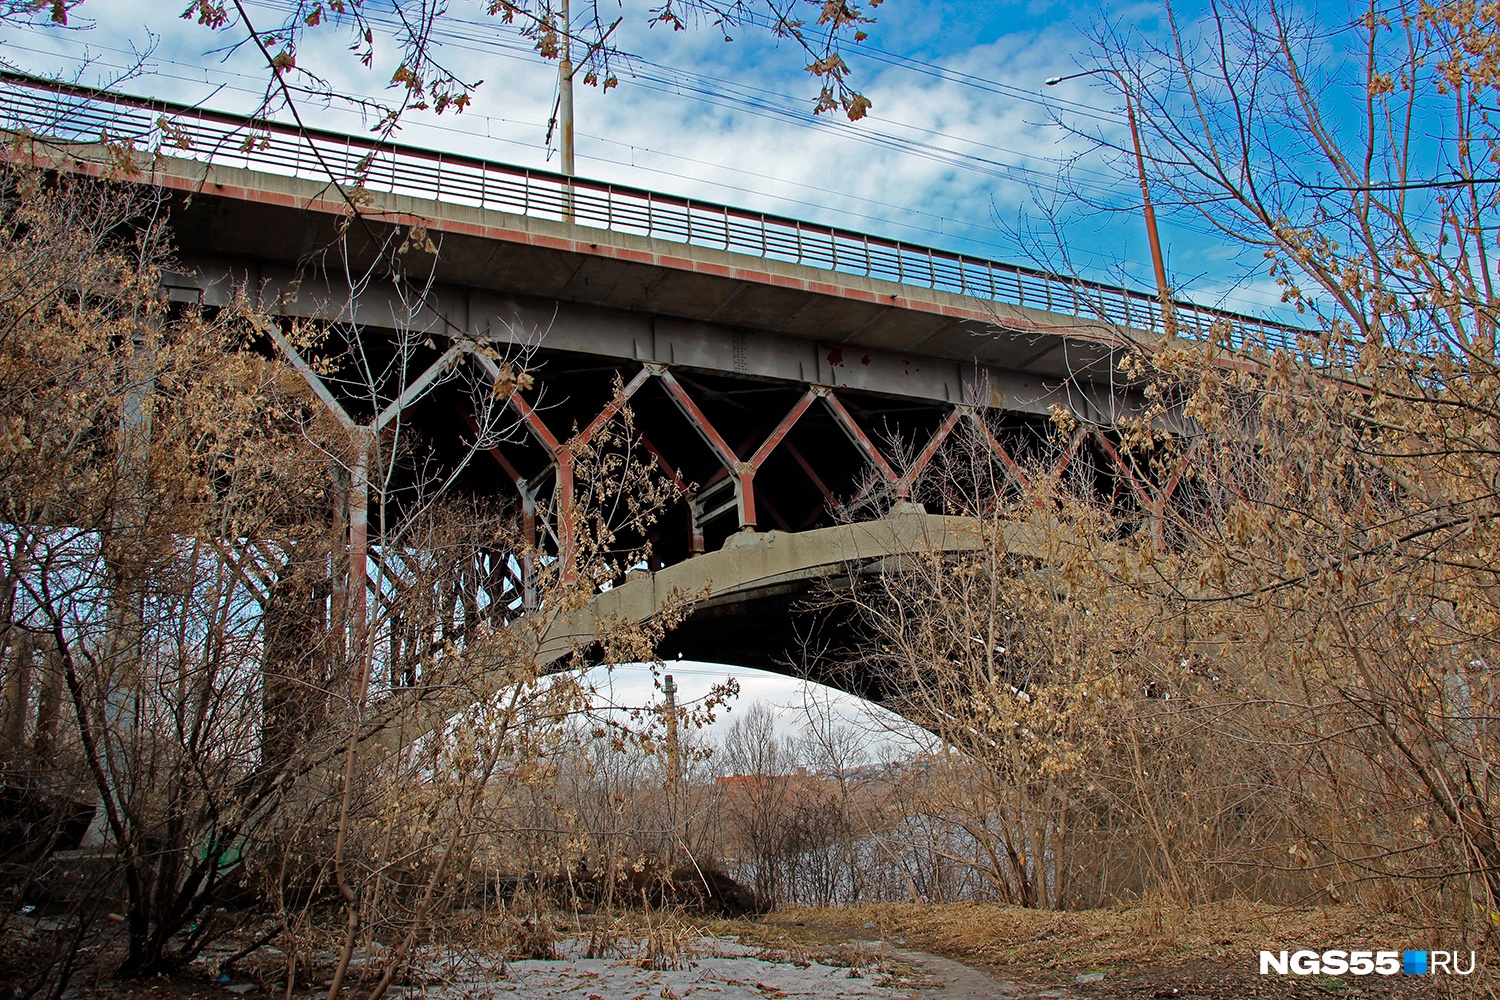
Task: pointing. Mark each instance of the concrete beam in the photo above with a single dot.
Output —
(752, 560)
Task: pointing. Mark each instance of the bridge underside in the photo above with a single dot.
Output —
(759, 422)
(769, 438)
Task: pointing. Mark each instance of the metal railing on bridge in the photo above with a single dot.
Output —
(72, 114)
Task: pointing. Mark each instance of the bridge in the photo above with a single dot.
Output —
(786, 378)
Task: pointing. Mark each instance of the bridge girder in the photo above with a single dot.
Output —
(624, 337)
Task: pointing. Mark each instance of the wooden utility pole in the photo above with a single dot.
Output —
(565, 91)
(1158, 264)
(674, 763)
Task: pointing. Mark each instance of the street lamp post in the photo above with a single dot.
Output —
(1162, 291)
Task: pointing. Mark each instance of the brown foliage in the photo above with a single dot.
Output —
(271, 698)
(1273, 675)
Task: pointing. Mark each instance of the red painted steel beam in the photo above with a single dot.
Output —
(782, 429)
(663, 464)
(791, 450)
(903, 487)
(1000, 452)
(527, 580)
(566, 542)
(563, 464)
(534, 423)
(1077, 440)
(562, 456)
(720, 474)
(860, 439)
(1119, 462)
(699, 421)
(745, 474)
(746, 491)
(781, 522)
(607, 414)
(494, 452)
(1176, 478)
(695, 534)
(746, 470)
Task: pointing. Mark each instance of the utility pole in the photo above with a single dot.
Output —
(674, 764)
(674, 760)
(565, 109)
(1169, 320)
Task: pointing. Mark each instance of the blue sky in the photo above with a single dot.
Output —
(959, 152)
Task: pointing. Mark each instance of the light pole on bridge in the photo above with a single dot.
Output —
(565, 92)
(1162, 290)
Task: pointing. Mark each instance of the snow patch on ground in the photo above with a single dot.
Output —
(711, 968)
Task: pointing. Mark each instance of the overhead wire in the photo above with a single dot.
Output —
(742, 98)
(690, 84)
(486, 38)
(735, 96)
(202, 76)
(870, 50)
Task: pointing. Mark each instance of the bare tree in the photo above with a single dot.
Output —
(580, 39)
(246, 613)
(1268, 670)
(130, 458)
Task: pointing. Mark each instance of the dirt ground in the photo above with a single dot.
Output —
(1210, 951)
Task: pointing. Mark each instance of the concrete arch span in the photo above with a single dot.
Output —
(746, 592)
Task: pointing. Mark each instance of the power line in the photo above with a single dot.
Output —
(204, 76)
(912, 64)
(488, 38)
(688, 83)
(738, 98)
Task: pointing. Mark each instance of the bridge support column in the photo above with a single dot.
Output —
(563, 454)
(695, 529)
(745, 488)
(363, 438)
(746, 470)
(529, 600)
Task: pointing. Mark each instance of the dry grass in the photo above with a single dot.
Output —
(1153, 933)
